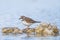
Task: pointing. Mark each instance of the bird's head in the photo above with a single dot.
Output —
(21, 17)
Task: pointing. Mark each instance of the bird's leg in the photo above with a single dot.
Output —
(27, 26)
(27, 33)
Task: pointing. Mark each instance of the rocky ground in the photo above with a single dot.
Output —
(43, 29)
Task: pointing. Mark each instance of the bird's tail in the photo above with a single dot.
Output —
(37, 21)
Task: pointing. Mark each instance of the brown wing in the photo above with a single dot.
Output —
(29, 20)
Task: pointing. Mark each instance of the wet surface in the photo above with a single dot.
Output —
(25, 37)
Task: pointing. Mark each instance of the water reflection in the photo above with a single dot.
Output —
(41, 38)
(29, 38)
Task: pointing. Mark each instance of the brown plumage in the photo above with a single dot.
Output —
(28, 21)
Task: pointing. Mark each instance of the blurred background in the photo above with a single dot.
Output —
(40, 10)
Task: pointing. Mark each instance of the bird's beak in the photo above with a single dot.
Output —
(19, 18)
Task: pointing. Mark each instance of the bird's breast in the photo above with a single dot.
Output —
(25, 23)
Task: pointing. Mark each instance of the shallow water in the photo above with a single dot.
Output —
(24, 37)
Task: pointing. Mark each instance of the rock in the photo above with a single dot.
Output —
(17, 31)
(38, 30)
(48, 32)
(55, 30)
(44, 25)
(11, 30)
(29, 31)
(7, 30)
(43, 29)
(46, 29)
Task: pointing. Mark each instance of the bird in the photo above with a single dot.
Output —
(28, 21)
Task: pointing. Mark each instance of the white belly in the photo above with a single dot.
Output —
(25, 23)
